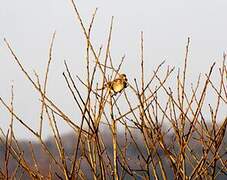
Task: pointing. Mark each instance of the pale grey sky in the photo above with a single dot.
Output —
(28, 25)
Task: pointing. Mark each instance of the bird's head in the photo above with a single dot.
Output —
(123, 76)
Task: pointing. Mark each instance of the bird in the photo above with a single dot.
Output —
(117, 85)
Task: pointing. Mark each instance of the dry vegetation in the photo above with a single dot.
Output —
(163, 132)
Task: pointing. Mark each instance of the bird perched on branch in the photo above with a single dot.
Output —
(117, 85)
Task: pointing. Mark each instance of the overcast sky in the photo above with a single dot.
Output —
(28, 25)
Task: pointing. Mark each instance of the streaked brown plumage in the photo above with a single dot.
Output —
(117, 85)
